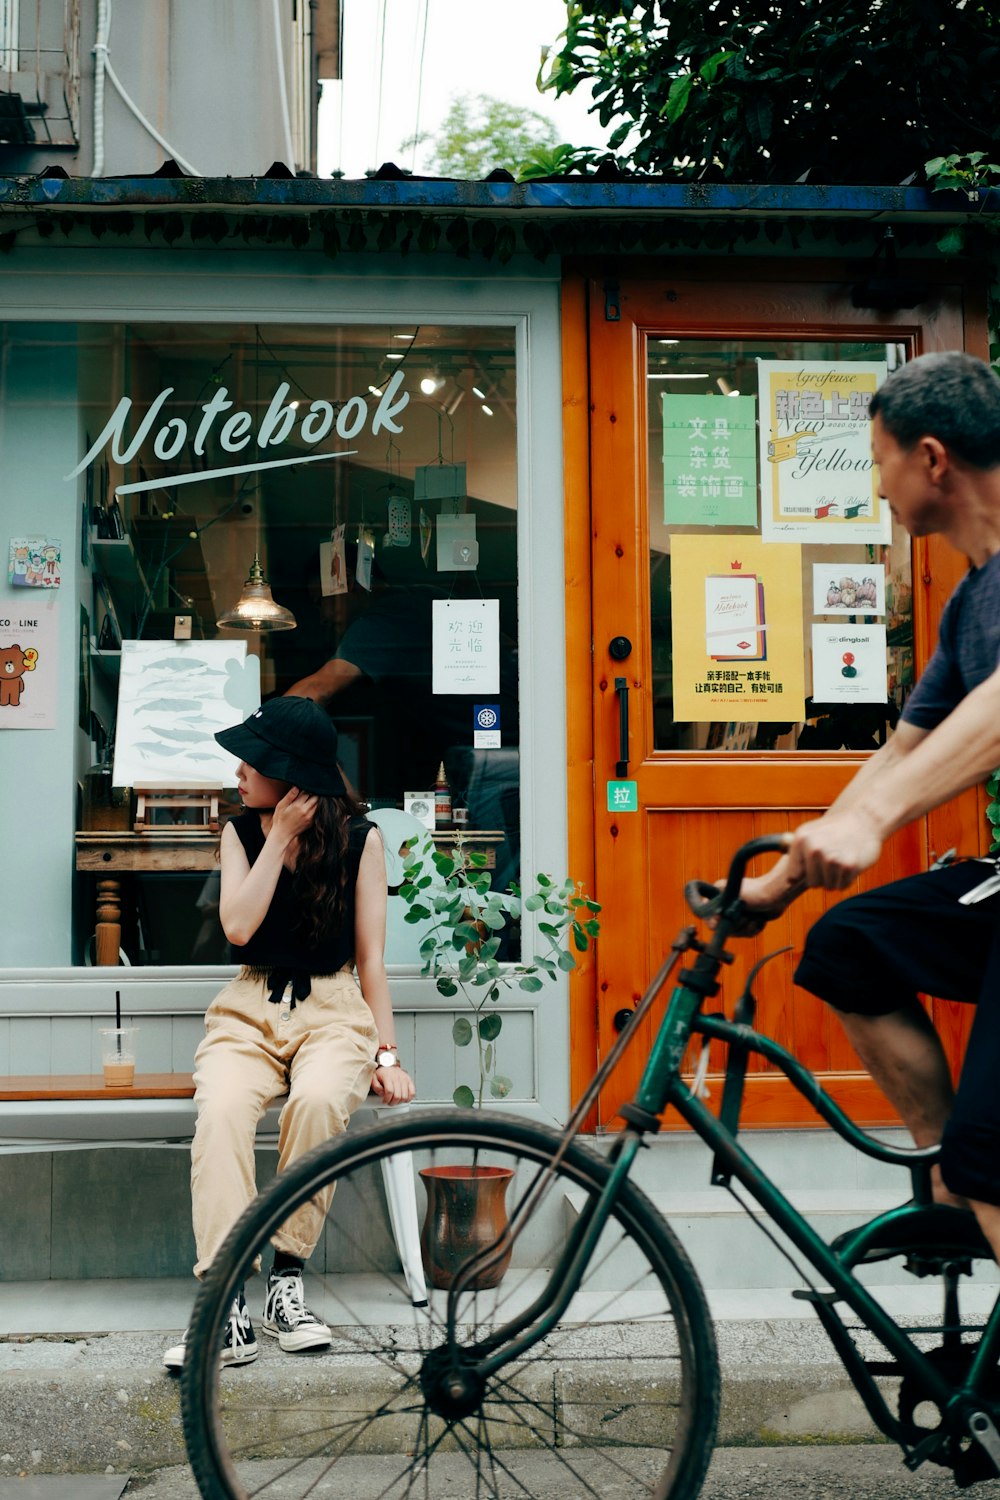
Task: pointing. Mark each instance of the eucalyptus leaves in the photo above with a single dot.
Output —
(469, 924)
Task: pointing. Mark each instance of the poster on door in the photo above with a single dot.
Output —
(849, 664)
(819, 483)
(736, 626)
(848, 588)
(709, 461)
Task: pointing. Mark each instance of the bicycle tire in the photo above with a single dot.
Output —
(646, 1428)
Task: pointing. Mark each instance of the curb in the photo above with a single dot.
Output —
(104, 1403)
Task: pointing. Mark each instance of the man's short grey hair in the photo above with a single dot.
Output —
(953, 397)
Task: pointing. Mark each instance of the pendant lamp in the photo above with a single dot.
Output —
(255, 609)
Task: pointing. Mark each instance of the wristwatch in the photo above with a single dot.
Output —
(387, 1057)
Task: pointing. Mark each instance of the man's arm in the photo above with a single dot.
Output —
(959, 752)
(917, 770)
(786, 880)
(325, 684)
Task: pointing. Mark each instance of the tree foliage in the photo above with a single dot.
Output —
(830, 91)
(480, 133)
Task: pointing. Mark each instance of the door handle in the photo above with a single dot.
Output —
(621, 689)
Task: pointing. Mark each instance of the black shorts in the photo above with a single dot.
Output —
(874, 953)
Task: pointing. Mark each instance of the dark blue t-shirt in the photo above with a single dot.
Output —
(968, 648)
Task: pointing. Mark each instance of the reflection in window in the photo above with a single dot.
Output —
(389, 486)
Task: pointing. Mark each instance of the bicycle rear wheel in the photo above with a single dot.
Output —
(620, 1398)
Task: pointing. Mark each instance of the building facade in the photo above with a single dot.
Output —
(608, 437)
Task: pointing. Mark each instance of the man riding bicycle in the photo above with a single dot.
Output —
(936, 441)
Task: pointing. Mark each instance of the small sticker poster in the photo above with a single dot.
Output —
(34, 562)
(848, 588)
(333, 563)
(29, 659)
(465, 646)
(849, 664)
(486, 730)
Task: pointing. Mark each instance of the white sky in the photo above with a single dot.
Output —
(472, 47)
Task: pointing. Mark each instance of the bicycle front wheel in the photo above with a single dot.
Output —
(619, 1398)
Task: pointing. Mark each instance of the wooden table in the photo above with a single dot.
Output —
(92, 1086)
(111, 855)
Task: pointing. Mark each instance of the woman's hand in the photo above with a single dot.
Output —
(394, 1085)
(293, 815)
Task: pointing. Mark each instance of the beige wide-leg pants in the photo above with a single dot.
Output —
(322, 1054)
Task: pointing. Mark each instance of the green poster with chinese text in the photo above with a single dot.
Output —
(709, 461)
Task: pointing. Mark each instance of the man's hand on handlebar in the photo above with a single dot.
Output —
(829, 852)
(767, 896)
(834, 850)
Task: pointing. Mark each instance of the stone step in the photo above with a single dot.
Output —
(729, 1250)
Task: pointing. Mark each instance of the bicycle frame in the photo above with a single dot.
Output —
(661, 1086)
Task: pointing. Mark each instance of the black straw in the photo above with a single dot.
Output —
(118, 1022)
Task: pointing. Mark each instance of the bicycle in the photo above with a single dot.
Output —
(474, 1393)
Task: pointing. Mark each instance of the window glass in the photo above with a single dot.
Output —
(823, 646)
(372, 471)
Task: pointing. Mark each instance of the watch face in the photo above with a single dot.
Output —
(386, 1059)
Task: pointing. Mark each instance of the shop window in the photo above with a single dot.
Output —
(372, 470)
(771, 554)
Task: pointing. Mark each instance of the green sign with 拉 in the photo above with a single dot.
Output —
(623, 796)
(709, 460)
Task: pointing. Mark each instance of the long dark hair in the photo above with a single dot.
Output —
(321, 867)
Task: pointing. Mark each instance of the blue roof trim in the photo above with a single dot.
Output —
(565, 196)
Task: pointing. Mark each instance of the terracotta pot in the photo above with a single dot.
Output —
(466, 1213)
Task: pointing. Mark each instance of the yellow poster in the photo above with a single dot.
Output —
(736, 623)
(817, 478)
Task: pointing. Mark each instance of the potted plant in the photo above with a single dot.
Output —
(469, 926)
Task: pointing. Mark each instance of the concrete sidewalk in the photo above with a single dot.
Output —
(82, 1388)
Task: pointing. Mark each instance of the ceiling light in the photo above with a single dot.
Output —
(429, 384)
(668, 341)
(404, 335)
(395, 356)
(255, 609)
(477, 392)
(376, 390)
(487, 409)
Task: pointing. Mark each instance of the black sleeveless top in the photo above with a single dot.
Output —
(279, 949)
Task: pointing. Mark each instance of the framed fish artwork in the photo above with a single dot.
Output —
(172, 697)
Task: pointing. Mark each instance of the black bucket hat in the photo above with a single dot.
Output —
(289, 739)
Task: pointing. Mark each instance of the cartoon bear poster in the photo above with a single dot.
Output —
(28, 661)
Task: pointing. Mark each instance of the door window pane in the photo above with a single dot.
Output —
(852, 591)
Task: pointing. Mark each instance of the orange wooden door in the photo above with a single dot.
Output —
(696, 804)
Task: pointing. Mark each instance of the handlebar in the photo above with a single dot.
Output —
(706, 900)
